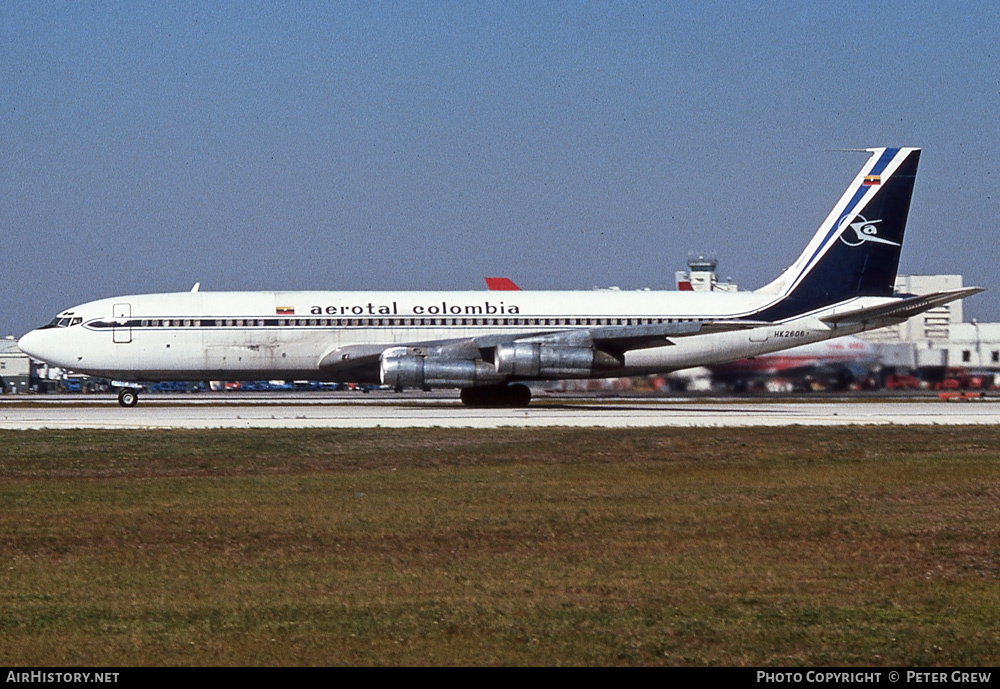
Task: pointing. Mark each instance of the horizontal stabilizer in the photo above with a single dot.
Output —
(900, 310)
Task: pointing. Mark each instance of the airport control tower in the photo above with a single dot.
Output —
(700, 275)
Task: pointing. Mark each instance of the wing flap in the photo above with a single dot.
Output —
(647, 336)
(623, 337)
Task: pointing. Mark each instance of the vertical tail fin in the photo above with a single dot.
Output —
(501, 285)
(855, 252)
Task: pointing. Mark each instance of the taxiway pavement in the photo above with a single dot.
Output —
(386, 410)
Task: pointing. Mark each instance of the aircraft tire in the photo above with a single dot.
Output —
(127, 397)
(497, 396)
(473, 397)
(519, 395)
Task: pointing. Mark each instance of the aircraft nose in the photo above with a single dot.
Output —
(29, 343)
(38, 344)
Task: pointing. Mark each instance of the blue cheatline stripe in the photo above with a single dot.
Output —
(880, 165)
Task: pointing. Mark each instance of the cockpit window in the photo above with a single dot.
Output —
(63, 322)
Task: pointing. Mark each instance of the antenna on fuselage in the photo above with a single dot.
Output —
(197, 286)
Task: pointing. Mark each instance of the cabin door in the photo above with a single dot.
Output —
(122, 330)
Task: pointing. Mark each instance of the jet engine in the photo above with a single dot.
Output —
(533, 360)
(402, 367)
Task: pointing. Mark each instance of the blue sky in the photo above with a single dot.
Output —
(425, 145)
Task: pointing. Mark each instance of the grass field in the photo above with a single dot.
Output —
(801, 546)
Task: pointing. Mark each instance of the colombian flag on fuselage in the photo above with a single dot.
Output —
(285, 311)
(872, 180)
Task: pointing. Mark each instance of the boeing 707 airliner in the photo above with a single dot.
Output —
(487, 344)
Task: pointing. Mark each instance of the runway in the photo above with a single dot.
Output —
(416, 410)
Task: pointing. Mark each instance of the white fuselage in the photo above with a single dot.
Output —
(286, 335)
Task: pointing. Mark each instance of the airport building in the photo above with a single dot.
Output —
(15, 367)
(939, 337)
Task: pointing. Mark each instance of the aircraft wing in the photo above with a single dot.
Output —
(355, 361)
(613, 339)
(621, 338)
(900, 310)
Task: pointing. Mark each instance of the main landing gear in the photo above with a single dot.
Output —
(497, 396)
(128, 397)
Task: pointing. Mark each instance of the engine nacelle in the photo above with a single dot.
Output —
(530, 360)
(401, 368)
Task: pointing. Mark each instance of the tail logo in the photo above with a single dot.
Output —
(864, 232)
